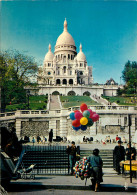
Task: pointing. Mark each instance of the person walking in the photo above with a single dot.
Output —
(118, 155)
(51, 135)
(97, 164)
(71, 150)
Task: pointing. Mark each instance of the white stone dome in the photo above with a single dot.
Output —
(81, 56)
(49, 56)
(65, 38)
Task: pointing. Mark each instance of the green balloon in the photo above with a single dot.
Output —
(90, 122)
(86, 114)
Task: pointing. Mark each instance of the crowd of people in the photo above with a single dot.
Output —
(119, 154)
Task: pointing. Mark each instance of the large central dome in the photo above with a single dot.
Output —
(65, 38)
(65, 41)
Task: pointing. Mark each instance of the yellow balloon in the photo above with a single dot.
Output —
(83, 121)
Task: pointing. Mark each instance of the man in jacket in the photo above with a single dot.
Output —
(71, 150)
(118, 155)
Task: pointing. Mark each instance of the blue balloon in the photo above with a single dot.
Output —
(76, 128)
(83, 127)
(72, 116)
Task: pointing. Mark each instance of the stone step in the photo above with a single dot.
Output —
(107, 160)
(54, 102)
(107, 166)
(101, 152)
(107, 163)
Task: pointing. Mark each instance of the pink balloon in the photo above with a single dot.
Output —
(92, 114)
(95, 117)
(78, 115)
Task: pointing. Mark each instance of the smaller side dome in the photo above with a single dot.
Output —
(81, 56)
(49, 56)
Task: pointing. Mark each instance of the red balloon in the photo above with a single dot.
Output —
(78, 115)
(76, 111)
(95, 117)
(83, 107)
(76, 123)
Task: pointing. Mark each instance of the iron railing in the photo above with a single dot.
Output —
(47, 159)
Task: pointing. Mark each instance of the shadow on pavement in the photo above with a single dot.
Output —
(25, 187)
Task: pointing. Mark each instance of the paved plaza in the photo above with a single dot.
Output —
(71, 185)
(63, 185)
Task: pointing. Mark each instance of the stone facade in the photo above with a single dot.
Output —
(65, 66)
(66, 72)
(113, 120)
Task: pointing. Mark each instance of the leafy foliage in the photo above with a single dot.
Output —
(16, 71)
(129, 75)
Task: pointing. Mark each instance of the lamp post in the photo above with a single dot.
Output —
(28, 94)
(129, 124)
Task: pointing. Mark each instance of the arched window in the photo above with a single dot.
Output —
(64, 69)
(71, 93)
(64, 59)
(71, 81)
(55, 93)
(58, 82)
(64, 81)
(86, 93)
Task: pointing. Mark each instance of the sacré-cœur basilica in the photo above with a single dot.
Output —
(66, 73)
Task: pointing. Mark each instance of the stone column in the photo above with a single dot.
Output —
(133, 126)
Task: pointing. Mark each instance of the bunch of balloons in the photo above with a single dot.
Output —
(82, 169)
(85, 118)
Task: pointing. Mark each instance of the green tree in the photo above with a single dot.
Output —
(16, 71)
(129, 75)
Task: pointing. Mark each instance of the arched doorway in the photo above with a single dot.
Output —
(64, 82)
(86, 93)
(55, 93)
(71, 93)
(58, 82)
(71, 81)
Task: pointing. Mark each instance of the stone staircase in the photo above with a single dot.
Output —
(106, 155)
(103, 101)
(54, 103)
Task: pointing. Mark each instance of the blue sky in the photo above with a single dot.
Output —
(107, 30)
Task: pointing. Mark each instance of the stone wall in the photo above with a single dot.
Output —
(34, 128)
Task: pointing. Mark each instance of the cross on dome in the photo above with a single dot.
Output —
(80, 47)
(65, 25)
(49, 47)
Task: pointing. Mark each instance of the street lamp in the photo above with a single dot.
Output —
(28, 94)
